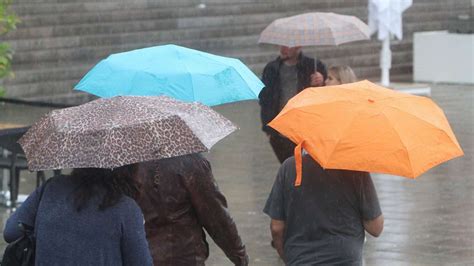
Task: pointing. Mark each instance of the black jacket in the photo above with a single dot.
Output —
(270, 96)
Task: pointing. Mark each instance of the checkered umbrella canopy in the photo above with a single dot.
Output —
(313, 29)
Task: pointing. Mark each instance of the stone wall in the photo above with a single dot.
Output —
(59, 40)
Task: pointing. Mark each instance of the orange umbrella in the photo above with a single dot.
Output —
(365, 127)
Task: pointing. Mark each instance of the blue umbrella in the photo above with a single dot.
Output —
(179, 72)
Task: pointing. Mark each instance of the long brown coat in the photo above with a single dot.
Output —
(179, 199)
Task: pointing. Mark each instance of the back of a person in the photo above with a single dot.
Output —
(68, 237)
(323, 217)
(173, 230)
(180, 199)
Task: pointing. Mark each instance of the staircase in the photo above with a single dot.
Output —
(58, 41)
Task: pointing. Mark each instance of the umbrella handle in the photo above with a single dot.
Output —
(299, 163)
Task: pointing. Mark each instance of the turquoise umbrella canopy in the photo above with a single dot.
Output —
(179, 72)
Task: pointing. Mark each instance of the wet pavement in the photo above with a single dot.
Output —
(429, 220)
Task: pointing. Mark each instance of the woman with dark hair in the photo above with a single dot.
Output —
(180, 199)
(87, 218)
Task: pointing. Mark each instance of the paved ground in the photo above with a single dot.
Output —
(429, 220)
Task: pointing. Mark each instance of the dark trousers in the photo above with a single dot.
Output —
(282, 147)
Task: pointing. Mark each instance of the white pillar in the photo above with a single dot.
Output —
(385, 62)
(5, 191)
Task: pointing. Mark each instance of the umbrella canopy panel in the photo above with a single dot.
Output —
(179, 72)
(108, 133)
(316, 28)
(362, 126)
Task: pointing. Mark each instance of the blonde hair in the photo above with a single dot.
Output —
(343, 74)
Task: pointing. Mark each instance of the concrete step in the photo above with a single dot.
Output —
(225, 44)
(78, 97)
(98, 47)
(414, 17)
(60, 40)
(64, 36)
(155, 36)
(401, 77)
(108, 11)
(409, 29)
(40, 75)
(152, 20)
(49, 8)
(163, 2)
(401, 72)
(132, 37)
(67, 98)
(108, 5)
(69, 55)
(356, 55)
(159, 13)
(66, 86)
(40, 89)
(243, 47)
(105, 29)
(67, 36)
(397, 73)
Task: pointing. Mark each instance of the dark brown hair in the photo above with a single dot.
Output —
(110, 184)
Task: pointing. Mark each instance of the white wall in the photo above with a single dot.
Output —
(439, 56)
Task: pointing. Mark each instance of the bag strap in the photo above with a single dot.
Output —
(30, 229)
(42, 190)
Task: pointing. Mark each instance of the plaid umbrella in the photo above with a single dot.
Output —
(108, 133)
(315, 29)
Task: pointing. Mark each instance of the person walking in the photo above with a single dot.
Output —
(180, 199)
(284, 77)
(322, 221)
(338, 75)
(87, 218)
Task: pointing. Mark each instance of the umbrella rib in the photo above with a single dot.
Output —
(430, 124)
(339, 140)
(187, 71)
(244, 80)
(300, 110)
(421, 118)
(279, 116)
(408, 113)
(401, 141)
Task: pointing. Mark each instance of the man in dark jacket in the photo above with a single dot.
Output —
(285, 77)
(180, 199)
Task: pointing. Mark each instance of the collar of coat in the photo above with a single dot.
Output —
(299, 62)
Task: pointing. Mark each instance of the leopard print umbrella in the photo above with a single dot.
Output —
(108, 133)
